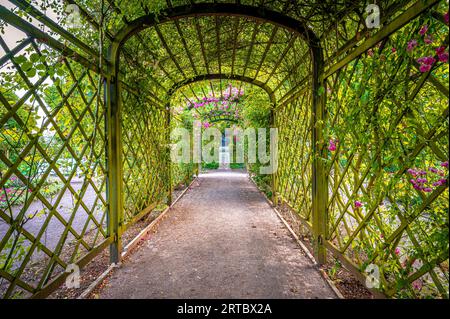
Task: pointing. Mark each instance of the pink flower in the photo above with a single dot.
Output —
(411, 45)
(439, 182)
(426, 63)
(397, 251)
(440, 50)
(444, 164)
(430, 60)
(433, 170)
(443, 57)
(417, 284)
(428, 39)
(423, 30)
(393, 50)
(446, 17)
(358, 204)
(427, 190)
(332, 146)
(425, 68)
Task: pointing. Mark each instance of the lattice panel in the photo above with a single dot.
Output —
(145, 162)
(294, 165)
(52, 161)
(181, 173)
(388, 163)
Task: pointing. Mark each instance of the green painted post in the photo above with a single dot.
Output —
(274, 174)
(114, 163)
(319, 178)
(168, 161)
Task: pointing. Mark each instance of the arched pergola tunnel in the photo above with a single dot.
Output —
(353, 107)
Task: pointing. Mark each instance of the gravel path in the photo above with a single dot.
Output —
(221, 240)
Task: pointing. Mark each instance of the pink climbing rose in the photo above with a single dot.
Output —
(443, 57)
(397, 251)
(332, 146)
(426, 63)
(417, 284)
(444, 164)
(446, 17)
(413, 172)
(423, 30)
(394, 50)
(358, 204)
(433, 170)
(440, 50)
(411, 45)
(426, 60)
(440, 182)
(428, 39)
(425, 68)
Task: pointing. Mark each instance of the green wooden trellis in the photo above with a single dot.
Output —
(305, 66)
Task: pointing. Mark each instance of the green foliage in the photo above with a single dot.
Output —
(212, 165)
(237, 165)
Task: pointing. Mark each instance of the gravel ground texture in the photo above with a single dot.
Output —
(221, 240)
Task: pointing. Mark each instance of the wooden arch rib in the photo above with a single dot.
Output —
(218, 76)
(216, 9)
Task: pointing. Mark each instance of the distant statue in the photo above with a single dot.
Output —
(224, 154)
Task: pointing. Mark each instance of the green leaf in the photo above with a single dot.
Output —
(31, 73)
(320, 91)
(27, 66)
(20, 59)
(34, 57)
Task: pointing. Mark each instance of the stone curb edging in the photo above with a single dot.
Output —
(301, 244)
